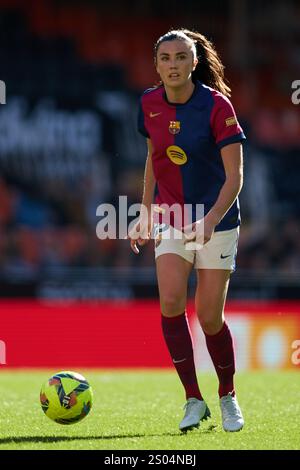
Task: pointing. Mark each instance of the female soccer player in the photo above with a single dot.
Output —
(194, 157)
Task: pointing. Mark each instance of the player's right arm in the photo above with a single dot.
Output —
(149, 180)
(144, 224)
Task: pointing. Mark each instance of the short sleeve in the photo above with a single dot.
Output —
(141, 121)
(224, 124)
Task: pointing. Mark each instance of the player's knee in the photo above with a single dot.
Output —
(172, 303)
(210, 325)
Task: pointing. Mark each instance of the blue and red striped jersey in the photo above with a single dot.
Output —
(186, 140)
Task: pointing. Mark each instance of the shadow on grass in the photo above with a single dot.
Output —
(20, 439)
(24, 439)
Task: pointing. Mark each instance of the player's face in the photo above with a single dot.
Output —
(175, 62)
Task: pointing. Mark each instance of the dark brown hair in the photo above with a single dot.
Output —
(209, 69)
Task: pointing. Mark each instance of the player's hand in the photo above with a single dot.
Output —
(199, 231)
(140, 234)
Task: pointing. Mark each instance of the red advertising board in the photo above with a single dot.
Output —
(128, 334)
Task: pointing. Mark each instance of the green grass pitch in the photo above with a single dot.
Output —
(141, 409)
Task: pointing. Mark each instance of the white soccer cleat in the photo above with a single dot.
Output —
(195, 411)
(232, 417)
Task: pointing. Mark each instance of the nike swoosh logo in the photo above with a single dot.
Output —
(154, 114)
(223, 257)
(180, 360)
(224, 367)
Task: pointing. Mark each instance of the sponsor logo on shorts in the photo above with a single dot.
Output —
(160, 228)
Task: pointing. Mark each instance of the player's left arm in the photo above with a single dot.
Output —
(232, 156)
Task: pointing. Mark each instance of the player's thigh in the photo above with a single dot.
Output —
(172, 275)
(211, 292)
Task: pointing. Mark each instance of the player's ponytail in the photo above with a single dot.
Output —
(210, 69)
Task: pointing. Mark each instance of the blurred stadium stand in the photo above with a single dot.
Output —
(74, 71)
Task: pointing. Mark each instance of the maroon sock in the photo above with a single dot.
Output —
(178, 339)
(220, 348)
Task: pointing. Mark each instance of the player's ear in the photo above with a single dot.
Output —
(195, 63)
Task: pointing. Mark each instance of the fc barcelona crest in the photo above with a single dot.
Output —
(174, 127)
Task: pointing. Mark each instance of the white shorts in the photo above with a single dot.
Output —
(219, 253)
